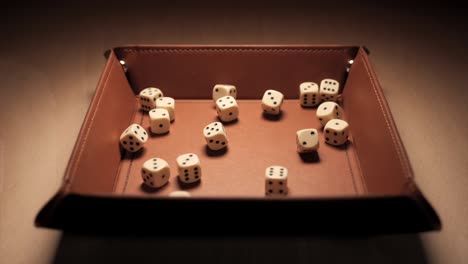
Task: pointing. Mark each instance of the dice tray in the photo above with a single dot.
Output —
(365, 187)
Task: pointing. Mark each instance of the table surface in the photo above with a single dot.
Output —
(52, 57)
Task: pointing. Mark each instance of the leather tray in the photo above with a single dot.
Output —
(364, 187)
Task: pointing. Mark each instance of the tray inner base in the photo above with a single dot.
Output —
(255, 142)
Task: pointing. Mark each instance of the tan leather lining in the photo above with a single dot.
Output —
(234, 174)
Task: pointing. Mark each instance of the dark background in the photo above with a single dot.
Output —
(52, 57)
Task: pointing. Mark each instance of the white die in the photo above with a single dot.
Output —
(221, 90)
(276, 181)
(227, 108)
(189, 168)
(159, 121)
(336, 132)
(327, 111)
(329, 89)
(155, 172)
(180, 194)
(148, 98)
(307, 140)
(309, 94)
(272, 101)
(167, 103)
(215, 136)
(133, 138)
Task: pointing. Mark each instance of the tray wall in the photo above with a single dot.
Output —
(189, 72)
(384, 164)
(95, 158)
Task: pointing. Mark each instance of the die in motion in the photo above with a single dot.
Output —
(133, 138)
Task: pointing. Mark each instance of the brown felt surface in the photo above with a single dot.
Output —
(255, 142)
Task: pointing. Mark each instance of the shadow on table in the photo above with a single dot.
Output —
(117, 249)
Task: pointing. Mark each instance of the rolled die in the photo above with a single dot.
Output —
(155, 172)
(227, 108)
(329, 89)
(167, 103)
(215, 136)
(276, 181)
(148, 98)
(160, 121)
(309, 94)
(133, 138)
(336, 132)
(328, 111)
(307, 140)
(180, 194)
(272, 101)
(189, 168)
(221, 90)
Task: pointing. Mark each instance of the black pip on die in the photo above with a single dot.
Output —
(133, 138)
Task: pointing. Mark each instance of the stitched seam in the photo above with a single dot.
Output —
(91, 121)
(351, 170)
(363, 181)
(359, 169)
(127, 176)
(180, 50)
(390, 130)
